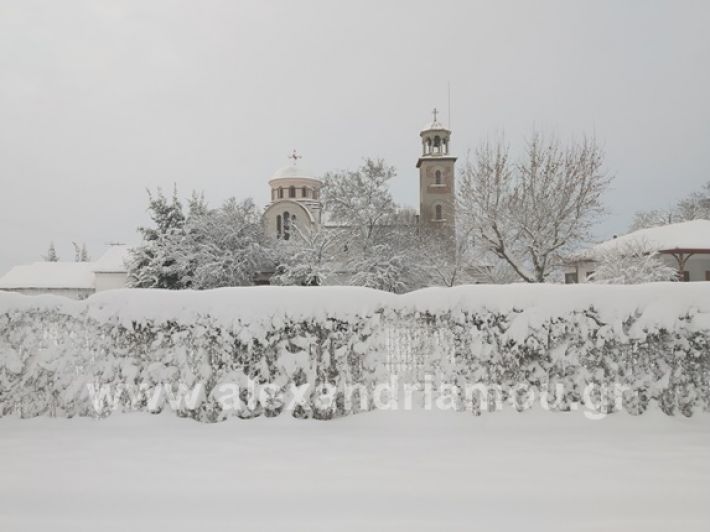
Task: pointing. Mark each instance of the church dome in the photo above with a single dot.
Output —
(292, 171)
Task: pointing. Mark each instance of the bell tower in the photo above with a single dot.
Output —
(436, 178)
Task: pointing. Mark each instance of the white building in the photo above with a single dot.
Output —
(76, 280)
(684, 246)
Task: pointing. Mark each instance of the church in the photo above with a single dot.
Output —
(296, 193)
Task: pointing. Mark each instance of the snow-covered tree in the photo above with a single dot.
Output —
(384, 268)
(443, 262)
(309, 259)
(228, 246)
(528, 213)
(377, 241)
(81, 254)
(157, 262)
(205, 249)
(360, 200)
(165, 214)
(51, 255)
(197, 205)
(633, 263)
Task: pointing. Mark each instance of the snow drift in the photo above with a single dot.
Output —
(652, 340)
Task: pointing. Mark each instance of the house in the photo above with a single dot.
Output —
(684, 246)
(77, 280)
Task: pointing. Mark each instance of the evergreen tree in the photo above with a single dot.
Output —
(155, 264)
(51, 255)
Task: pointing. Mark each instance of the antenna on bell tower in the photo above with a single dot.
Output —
(448, 85)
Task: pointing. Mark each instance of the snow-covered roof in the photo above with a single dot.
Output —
(693, 235)
(113, 261)
(50, 275)
(292, 170)
(435, 126)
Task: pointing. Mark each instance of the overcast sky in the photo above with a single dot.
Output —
(99, 100)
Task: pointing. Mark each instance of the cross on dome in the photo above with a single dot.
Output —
(435, 111)
(295, 156)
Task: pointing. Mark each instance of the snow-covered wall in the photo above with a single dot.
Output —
(324, 351)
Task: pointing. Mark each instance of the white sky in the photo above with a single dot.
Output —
(99, 100)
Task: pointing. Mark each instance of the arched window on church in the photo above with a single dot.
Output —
(291, 191)
(304, 192)
(428, 146)
(438, 215)
(281, 193)
(437, 144)
(278, 226)
(287, 226)
(437, 177)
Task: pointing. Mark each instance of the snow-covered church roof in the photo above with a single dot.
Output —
(292, 171)
(686, 236)
(435, 126)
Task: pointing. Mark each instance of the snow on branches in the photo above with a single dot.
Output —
(528, 213)
(633, 263)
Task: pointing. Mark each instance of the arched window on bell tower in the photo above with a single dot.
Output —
(438, 214)
(437, 177)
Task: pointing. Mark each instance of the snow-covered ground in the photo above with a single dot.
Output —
(414, 470)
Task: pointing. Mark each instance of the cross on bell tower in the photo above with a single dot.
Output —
(435, 112)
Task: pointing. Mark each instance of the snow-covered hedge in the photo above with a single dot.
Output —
(322, 352)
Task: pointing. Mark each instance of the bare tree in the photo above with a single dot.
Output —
(653, 218)
(530, 212)
(692, 207)
(696, 205)
(446, 262)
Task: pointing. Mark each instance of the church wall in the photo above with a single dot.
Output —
(303, 216)
(432, 194)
